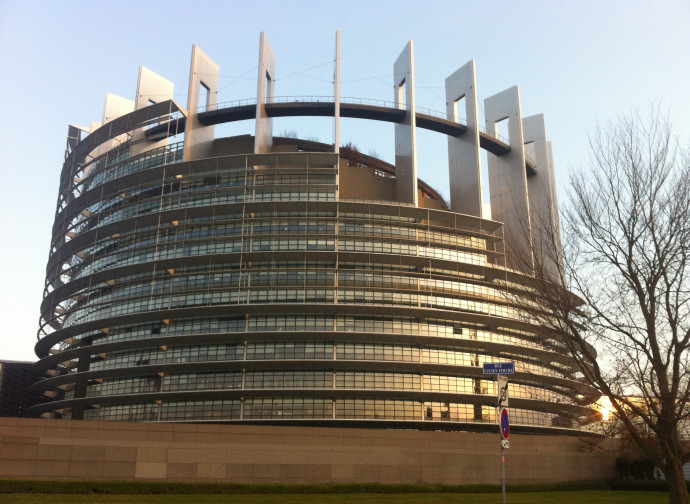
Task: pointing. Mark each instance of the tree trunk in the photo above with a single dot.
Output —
(677, 487)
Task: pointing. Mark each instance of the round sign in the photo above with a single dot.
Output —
(505, 424)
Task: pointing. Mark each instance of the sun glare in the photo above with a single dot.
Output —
(605, 408)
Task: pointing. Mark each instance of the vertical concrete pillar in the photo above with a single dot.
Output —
(74, 134)
(553, 192)
(265, 92)
(539, 185)
(114, 107)
(554, 208)
(541, 190)
(405, 131)
(151, 88)
(336, 112)
(336, 96)
(464, 161)
(203, 74)
(74, 137)
(508, 180)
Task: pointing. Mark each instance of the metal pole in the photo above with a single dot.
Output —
(503, 474)
(500, 440)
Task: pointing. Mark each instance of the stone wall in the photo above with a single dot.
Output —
(37, 448)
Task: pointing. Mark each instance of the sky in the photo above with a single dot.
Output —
(577, 62)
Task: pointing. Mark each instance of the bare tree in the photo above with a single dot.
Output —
(620, 294)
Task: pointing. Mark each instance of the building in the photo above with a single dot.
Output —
(266, 280)
(15, 379)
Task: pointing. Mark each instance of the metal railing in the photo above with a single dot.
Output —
(345, 100)
(319, 98)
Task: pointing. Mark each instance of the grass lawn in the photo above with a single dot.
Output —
(585, 496)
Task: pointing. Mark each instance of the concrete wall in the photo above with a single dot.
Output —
(38, 448)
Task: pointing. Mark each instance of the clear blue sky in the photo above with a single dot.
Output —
(577, 62)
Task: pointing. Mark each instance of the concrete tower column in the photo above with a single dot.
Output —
(554, 206)
(203, 75)
(336, 110)
(265, 93)
(542, 197)
(508, 180)
(336, 96)
(151, 88)
(539, 185)
(405, 131)
(554, 194)
(114, 107)
(464, 161)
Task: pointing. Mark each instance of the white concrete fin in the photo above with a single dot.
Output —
(405, 131)
(336, 110)
(265, 92)
(538, 186)
(116, 106)
(464, 160)
(203, 76)
(541, 197)
(74, 135)
(151, 88)
(552, 177)
(86, 129)
(554, 206)
(508, 180)
(336, 96)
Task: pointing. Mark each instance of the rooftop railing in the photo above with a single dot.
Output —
(344, 100)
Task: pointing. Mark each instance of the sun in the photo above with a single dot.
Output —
(604, 406)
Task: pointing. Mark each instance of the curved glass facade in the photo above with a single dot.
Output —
(248, 288)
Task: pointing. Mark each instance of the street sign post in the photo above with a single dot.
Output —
(500, 369)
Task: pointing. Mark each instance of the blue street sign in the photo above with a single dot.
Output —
(499, 368)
